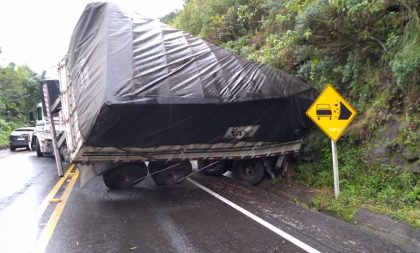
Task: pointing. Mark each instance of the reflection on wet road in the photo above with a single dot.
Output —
(146, 218)
(24, 182)
(181, 218)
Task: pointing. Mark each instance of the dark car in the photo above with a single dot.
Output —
(323, 110)
(21, 138)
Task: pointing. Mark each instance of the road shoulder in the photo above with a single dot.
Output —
(398, 232)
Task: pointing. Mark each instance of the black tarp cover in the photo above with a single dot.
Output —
(141, 83)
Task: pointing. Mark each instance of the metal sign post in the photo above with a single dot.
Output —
(335, 169)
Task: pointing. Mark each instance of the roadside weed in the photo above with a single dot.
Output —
(377, 186)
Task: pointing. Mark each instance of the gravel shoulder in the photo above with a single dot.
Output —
(398, 232)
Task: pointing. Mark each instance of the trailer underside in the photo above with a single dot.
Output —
(241, 150)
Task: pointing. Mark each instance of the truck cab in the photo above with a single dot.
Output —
(41, 140)
(42, 137)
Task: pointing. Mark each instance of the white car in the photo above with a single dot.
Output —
(21, 138)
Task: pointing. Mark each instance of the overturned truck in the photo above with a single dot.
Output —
(140, 98)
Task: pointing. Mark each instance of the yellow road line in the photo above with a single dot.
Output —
(53, 192)
(46, 234)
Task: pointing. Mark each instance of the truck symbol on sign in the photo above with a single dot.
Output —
(323, 110)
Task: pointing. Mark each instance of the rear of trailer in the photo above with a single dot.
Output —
(134, 89)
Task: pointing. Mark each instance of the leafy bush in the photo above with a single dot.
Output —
(5, 129)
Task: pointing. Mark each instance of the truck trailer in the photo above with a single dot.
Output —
(139, 98)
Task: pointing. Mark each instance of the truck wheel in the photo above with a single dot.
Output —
(12, 148)
(125, 175)
(218, 169)
(33, 144)
(170, 176)
(38, 148)
(249, 171)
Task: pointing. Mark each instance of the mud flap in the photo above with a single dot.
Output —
(268, 165)
(279, 168)
(90, 170)
(279, 163)
(282, 165)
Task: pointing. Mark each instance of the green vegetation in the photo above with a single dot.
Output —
(377, 186)
(19, 94)
(370, 51)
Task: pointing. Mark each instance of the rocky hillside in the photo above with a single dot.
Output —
(370, 51)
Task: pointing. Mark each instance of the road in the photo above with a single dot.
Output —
(202, 214)
(25, 180)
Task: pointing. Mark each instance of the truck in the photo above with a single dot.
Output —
(42, 138)
(139, 99)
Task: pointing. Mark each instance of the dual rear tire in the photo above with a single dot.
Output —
(250, 171)
(213, 168)
(169, 173)
(125, 175)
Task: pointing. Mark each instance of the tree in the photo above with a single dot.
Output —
(19, 92)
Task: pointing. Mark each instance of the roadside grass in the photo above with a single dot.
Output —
(378, 187)
(6, 128)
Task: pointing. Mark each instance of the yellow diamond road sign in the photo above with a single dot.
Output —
(331, 112)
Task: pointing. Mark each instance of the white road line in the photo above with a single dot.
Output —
(276, 230)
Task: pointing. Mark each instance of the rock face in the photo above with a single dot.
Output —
(386, 147)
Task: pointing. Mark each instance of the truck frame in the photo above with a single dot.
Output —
(123, 167)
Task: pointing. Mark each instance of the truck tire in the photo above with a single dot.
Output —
(218, 169)
(170, 176)
(33, 143)
(125, 175)
(250, 172)
(38, 148)
(12, 148)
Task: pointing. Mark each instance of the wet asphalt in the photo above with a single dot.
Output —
(146, 218)
(25, 180)
(181, 218)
